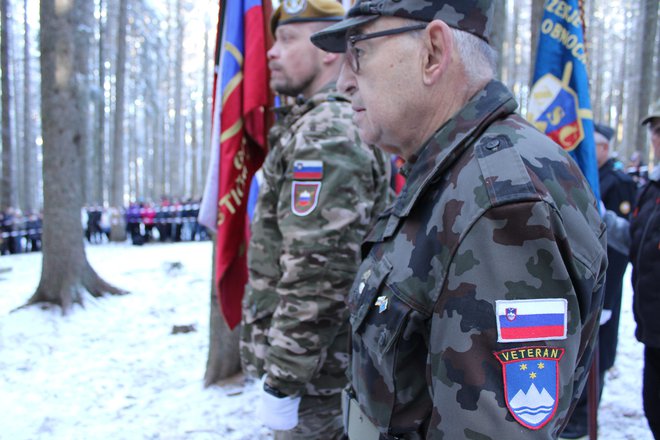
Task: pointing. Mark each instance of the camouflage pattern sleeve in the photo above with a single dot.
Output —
(478, 369)
(319, 257)
(324, 187)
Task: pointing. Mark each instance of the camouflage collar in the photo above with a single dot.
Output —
(493, 102)
(326, 93)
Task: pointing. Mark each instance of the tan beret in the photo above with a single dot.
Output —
(300, 11)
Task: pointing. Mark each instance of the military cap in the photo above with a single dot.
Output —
(655, 113)
(300, 11)
(605, 131)
(473, 16)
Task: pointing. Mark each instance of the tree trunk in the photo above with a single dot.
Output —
(178, 144)
(7, 192)
(206, 106)
(224, 358)
(537, 16)
(117, 186)
(499, 33)
(66, 274)
(650, 26)
(84, 11)
(99, 132)
(29, 156)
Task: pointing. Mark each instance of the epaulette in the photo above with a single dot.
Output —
(504, 173)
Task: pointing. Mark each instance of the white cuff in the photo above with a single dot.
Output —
(280, 414)
(605, 316)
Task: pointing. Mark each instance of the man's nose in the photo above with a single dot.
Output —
(346, 81)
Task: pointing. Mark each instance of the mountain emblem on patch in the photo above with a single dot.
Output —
(531, 383)
(304, 197)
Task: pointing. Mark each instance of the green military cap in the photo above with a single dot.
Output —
(300, 11)
(655, 113)
(473, 16)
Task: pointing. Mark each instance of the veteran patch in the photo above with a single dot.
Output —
(531, 320)
(308, 170)
(304, 197)
(531, 383)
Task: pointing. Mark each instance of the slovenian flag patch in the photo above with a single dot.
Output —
(531, 320)
(308, 170)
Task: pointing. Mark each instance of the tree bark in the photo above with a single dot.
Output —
(178, 156)
(7, 192)
(117, 186)
(66, 274)
(649, 29)
(99, 132)
(224, 358)
(29, 153)
(499, 32)
(537, 16)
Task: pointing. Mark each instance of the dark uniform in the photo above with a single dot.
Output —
(617, 191)
(645, 258)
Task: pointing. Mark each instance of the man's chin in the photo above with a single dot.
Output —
(283, 89)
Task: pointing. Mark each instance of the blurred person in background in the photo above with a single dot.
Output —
(645, 258)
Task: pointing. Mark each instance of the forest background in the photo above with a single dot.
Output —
(145, 68)
(127, 116)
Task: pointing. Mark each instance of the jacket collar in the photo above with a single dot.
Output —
(493, 102)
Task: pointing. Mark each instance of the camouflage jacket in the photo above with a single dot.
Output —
(475, 309)
(321, 190)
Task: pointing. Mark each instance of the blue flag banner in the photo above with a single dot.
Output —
(559, 103)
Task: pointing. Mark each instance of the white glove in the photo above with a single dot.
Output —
(278, 413)
(605, 316)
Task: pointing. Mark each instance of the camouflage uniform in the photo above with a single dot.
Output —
(492, 211)
(295, 321)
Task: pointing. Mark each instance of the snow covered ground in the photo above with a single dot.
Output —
(113, 370)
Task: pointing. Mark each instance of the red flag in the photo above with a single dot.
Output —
(241, 99)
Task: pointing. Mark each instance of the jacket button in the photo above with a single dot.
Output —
(492, 145)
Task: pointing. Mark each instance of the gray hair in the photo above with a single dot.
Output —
(478, 57)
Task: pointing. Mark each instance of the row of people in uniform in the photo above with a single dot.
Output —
(19, 232)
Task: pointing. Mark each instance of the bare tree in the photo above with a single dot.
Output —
(100, 127)
(177, 155)
(29, 154)
(7, 193)
(224, 358)
(499, 32)
(117, 185)
(537, 16)
(66, 274)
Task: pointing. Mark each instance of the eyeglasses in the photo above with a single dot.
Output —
(353, 53)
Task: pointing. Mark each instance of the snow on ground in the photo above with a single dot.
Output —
(113, 370)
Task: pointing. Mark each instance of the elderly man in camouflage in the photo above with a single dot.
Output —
(476, 306)
(321, 189)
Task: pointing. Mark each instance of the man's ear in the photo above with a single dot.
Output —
(439, 47)
(329, 57)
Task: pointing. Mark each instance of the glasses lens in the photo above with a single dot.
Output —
(353, 58)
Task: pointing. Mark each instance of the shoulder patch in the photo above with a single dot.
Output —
(304, 197)
(531, 320)
(308, 170)
(531, 383)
